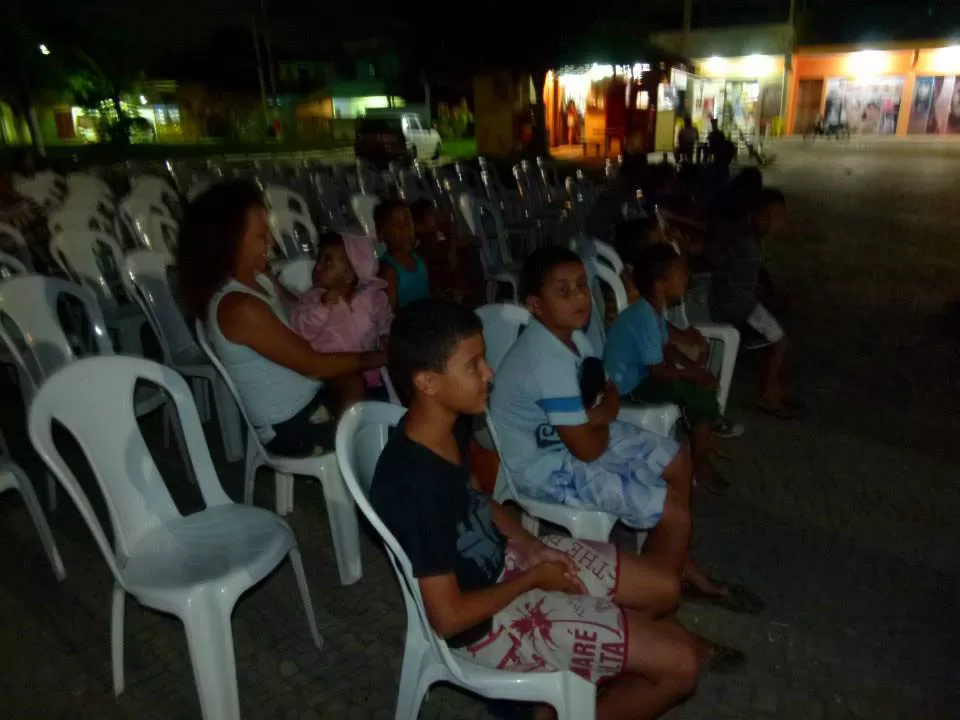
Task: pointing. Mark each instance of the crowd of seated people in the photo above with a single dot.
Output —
(607, 613)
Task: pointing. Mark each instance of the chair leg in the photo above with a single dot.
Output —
(116, 636)
(343, 523)
(39, 520)
(231, 424)
(210, 640)
(284, 484)
(297, 563)
(410, 694)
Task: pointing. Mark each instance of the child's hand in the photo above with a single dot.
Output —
(555, 577)
(540, 553)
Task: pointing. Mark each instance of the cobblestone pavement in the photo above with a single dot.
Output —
(845, 522)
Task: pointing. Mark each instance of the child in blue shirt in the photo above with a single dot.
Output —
(643, 359)
(401, 267)
(555, 413)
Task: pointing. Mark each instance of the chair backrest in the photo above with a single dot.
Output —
(156, 191)
(330, 192)
(137, 499)
(75, 218)
(11, 266)
(485, 222)
(252, 435)
(363, 206)
(84, 183)
(501, 326)
(607, 253)
(469, 177)
(293, 235)
(281, 198)
(296, 275)
(13, 239)
(597, 273)
(146, 279)
(550, 177)
(31, 304)
(369, 180)
(361, 436)
(92, 259)
(413, 187)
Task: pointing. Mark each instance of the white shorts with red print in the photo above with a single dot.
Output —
(549, 631)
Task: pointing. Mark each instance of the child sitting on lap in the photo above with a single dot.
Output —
(346, 310)
(500, 596)
(643, 359)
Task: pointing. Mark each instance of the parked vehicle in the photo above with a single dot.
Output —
(383, 137)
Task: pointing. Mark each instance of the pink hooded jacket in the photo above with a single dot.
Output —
(348, 326)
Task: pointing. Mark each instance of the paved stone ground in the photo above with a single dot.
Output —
(845, 522)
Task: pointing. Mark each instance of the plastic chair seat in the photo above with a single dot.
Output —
(216, 544)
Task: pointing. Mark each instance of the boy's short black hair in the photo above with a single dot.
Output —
(420, 208)
(631, 236)
(653, 263)
(423, 336)
(539, 264)
(382, 211)
(328, 238)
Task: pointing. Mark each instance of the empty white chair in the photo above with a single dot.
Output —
(296, 275)
(79, 183)
(10, 266)
(76, 218)
(40, 345)
(340, 509)
(281, 198)
(363, 206)
(156, 191)
(413, 187)
(45, 188)
(12, 477)
(194, 567)
(293, 235)
(95, 261)
(361, 436)
(145, 276)
(484, 221)
(13, 243)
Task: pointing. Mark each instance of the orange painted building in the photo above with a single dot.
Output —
(893, 89)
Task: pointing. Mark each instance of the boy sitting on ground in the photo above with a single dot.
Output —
(643, 359)
(555, 413)
(500, 596)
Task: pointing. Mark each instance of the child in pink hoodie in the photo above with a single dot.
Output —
(347, 309)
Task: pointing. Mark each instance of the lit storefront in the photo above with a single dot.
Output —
(897, 91)
(608, 109)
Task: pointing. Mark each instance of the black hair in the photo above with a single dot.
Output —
(382, 211)
(539, 264)
(652, 264)
(423, 336)
(328, 238)
(772, 196)
(420, 208)
(209, 237)
(631, 236)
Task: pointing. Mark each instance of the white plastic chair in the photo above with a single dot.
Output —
(77, 218)
(194, 567)
(361, 436)
(13, 240)
(30, 303)
(10, 266)
(484, 221)
(156, 191)
(363, 206)
(296, 275)
(12, 477)
(726, 336)
(413, 187)
(286, 200)
(293, 235)
(95, 261)
(341, 512)
(80, 183)
(145, 277)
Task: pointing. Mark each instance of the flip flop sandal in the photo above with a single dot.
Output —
(737, 599)
(724, 660)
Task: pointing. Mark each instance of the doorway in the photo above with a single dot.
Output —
(809, 97)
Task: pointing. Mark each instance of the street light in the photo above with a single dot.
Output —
(44, 50)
